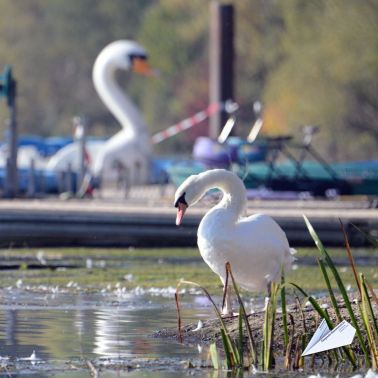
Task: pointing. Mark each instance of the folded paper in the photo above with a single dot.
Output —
(325, 339)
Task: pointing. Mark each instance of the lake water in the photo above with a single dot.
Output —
(53, 331)
(64, 330)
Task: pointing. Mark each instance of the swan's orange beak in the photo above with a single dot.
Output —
(142, 67)
(181, 208)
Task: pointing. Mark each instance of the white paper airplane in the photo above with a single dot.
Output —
(324, 339)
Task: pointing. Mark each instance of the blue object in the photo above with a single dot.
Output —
(54, 144)
(211, 153)
(46, 182)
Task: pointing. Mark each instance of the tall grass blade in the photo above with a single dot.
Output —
(290, 344)
(298, 360)
(373, 317)
(241, 338)
(213, 351)
(230, 357)
(179, 332)
(331, 293)
(269, 320)
(350, 257)
(365, 321)
(303, 337)
(243, 313)
(365, 309)
(341, 288)
(284, 312)
(265, 336)
(372, 292)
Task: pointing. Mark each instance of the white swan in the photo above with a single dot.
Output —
(131, 147)
(256, 246)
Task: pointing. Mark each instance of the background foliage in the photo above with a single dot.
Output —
(310, 62)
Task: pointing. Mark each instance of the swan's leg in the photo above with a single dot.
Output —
(269, 290)
(226, 305)
(227, 309)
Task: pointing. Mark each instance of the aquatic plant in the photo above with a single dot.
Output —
(369, 320)
(240, 354)
(233, 359)
(269, 319)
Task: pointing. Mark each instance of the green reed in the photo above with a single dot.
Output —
(240, 355)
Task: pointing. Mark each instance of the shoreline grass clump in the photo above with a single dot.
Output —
(241, 350)
(368, 344)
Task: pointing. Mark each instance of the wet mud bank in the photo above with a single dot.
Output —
(301, 321)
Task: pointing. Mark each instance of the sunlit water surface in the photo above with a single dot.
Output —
(40, 332)
(58, 333)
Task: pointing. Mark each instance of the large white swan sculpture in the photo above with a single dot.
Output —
(256, 247)
(131, 146)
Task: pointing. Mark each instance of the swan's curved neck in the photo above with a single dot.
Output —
(234, 196)
(116, 101)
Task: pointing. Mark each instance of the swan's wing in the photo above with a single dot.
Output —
(261, 224)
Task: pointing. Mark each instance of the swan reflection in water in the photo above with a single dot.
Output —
(110, 333)
(119, 333)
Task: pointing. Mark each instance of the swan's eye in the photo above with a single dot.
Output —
(137, 57)
(181, 199)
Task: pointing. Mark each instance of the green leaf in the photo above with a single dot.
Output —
(341, 286)
(214, 356)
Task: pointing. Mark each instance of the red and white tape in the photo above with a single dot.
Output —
(187, 123)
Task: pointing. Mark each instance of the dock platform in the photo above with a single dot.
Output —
(147, 219)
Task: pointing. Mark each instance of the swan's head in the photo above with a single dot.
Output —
(188, 193)
(124, 55)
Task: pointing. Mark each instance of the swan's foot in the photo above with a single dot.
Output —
(227, 308)
(266, 303)
(228, 313)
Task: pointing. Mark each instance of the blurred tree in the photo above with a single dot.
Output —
(52, 47)
(259, 52)
(176, 34)
(309, 61)
(328, 75)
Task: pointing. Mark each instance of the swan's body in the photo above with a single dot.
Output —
(255, 246)
(130, 147)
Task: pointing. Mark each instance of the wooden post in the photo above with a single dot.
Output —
(69, 183)
(12, 171)
(221, 61)
(80, 137)
(32, 189)
(8, 87)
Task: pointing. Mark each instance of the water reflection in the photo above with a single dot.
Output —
(84, 327)
(111, 333)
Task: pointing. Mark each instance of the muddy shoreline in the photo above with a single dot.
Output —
(301, 321)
